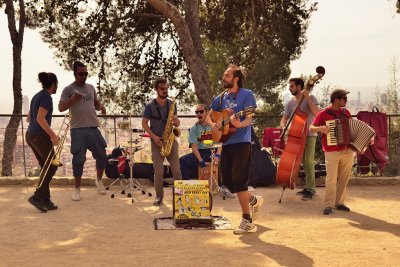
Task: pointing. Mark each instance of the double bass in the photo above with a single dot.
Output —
(289, 164)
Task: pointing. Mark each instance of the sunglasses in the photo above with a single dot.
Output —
(199, 111)
(343, 97)
(83, 73)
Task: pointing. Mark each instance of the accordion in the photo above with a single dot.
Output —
(351, 132)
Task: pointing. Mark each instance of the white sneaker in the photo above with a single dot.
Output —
(245, 227)
(100, 187)
(255, 210)
(224, 192)
(77, 194)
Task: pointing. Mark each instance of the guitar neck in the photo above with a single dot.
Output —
(228, 119)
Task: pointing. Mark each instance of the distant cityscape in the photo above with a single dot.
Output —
(121, 136)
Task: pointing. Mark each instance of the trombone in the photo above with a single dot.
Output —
(53, 158)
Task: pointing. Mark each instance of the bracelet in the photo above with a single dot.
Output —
(217, 155)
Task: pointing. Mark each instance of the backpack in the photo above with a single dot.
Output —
(262, 169)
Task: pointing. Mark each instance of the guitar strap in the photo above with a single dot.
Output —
(221, 96)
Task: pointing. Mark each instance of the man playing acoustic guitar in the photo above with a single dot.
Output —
(235, 156)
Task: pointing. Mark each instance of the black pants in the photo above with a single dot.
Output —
(42, 146)
(235, 166)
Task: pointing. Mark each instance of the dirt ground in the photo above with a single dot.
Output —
(100, 231)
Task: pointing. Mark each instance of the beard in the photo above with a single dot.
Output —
(162, 96)
(294, 93)
(228, 84)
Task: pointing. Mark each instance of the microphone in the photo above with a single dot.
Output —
(137, 131)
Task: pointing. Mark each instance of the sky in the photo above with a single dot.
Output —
(354, 40)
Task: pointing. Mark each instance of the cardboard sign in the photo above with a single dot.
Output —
(191, 200)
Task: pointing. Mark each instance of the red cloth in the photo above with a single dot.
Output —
(378, 152)
(271, 139)
(320, 120)
(121, 164)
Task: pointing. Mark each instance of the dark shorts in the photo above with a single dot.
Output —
(235, 166)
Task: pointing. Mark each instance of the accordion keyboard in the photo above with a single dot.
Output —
(331, 136)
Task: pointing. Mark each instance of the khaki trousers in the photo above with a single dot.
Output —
(158, 166)
(338, 169)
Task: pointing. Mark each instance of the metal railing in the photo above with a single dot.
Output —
(115, 129)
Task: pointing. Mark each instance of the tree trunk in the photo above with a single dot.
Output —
(189, 38)
(10, 137)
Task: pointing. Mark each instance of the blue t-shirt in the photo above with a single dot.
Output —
(41, 99)
(196, 132)
(239, 101)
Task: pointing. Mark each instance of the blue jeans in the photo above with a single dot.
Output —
(83, 139)
(189, 163)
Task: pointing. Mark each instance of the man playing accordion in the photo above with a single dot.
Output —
(338, 157)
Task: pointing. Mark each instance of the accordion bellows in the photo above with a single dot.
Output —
(351, 132)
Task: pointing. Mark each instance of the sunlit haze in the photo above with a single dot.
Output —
(354, 40)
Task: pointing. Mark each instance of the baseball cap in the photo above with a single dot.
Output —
(337, 93)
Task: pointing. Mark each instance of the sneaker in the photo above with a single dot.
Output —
(327, 210)
(100, 187)
(308, 195)
(49, 204)
(224, 192)
(245, 227)
(255, 209)
(77, 194)
(158, 201)
(302, 192)
(37, 203)
(342, 207)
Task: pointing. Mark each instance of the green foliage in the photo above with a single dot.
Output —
(398, 6)
(128, 43)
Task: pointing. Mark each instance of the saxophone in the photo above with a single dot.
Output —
(170, 132)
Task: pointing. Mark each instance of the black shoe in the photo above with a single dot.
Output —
(158, 201)
(328, 210)
(342, 207)
(302, 192)
(308, 195)
(37, 203)
(49, 204)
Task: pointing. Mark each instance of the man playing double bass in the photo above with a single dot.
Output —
(235, 156)
(310, 107)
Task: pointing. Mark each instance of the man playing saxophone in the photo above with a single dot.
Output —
(161, 112)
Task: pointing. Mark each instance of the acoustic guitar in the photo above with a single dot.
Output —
(224, 119)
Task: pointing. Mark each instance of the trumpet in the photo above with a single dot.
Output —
(53, 158)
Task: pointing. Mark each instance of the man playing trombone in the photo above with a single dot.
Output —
(41, 138)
